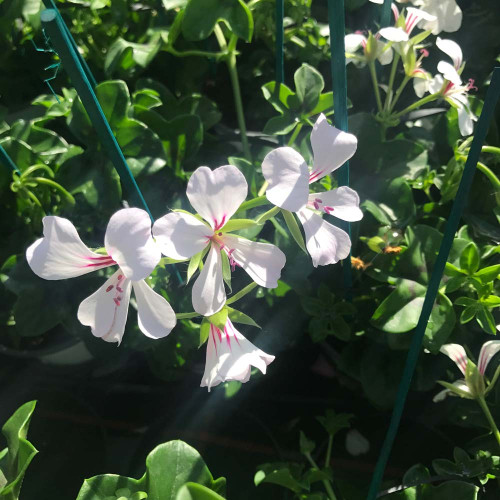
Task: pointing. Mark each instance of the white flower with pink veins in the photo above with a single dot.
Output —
(230, 356)
(289, 177)
(216, 195)
(61, 254)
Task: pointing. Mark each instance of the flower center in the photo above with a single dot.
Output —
(219, 224)
(217, 240)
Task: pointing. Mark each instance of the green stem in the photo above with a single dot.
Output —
(326, 483)
(233, 75)
(194, 53)
(187, 315)
(256, 202)
(35, 200)
(394, 67)
(373, 73)
(267, 215)
(241, 293)
(406, 79)
(329, 451)
(417, 104)
(489, 417)
(490, 149)
(55, 185)
(495, 181)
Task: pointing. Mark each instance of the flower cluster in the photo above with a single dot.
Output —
(135, 246)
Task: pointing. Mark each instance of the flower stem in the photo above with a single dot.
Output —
(417, 104)
(373, 74)
(489, 417)
(326, 483)
(490, 149)
(233, 75)
(55, 185)
(406, 79)
(394, 67)
(256, 202)
(241, 293)
(329, 451)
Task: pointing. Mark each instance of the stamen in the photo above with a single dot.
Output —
(470, 84)
(328, 209)
(120, 277)
(110, 287)
(424, 52)
(119, 289)
(117, 301)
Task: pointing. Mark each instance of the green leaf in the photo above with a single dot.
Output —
(487, 274)
(239, 317)
(237, 224)
(451, 270)
(277, 96)
(226, 269)
(455, 283)
(306, 445)
(15, 459)
(470, 259)
(294, 229)
(280, 125)
(486, 320)
(491, 301)
(468, 314)
(308, 85)
(325, 102)
(194, 491)
(204, 331)
(194, 262)
(219, 319)
(283, 474)
(334, 422)
(200, 17)
(105, 486)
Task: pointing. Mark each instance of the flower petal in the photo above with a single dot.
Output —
(208, 292)
(326, 243)
(155, 316)
(288, 176)
(105, 311)
(262, 261)
(342, 202)
(394, 34)
(129, 241)
(353, 41)
(384, 55)
(457, 354)
(331, 148)
(459, 384)
(466, 120)
(448, 14)
(217, 194)
(488, 350)
(452, 49)
(61, 254)
(436, 84)
(180, 235)
(449, 72)
(230, 356)
(414, 16)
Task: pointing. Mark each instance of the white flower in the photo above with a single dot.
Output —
(61, 254)
(355, 443)
(230, 356)
(289, 177)
(354, 41)
(216, 195)
(457, 354)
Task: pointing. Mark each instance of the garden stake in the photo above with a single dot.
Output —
(385, 15)
(280, 66)
(49, 4)
(336, 22)
(70, 60)
(492, 97)
(7, 160)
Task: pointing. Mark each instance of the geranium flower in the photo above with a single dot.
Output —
(449, 84)
(61, 254)
(289, 177)
(230, 356)
(383, 51)
(216, 195)
(468, 387)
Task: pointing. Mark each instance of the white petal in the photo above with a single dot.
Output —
(230, 356)
(180, 235)
(331, 148)
(129, 241)
(61, 253)
(457, 354)
(420, 86)
(465, 120)
(459, 384)
(414, 16)
(288, 176)
(217, 194)
(325, 243)
(380, 2)
(394, 34)
(384, 56)
(155, 316)
(452, 49)
(353, 41)
(208, 292)
(262, 261)
(449, 72)
(436, 84)
(105, 311)
(355, 443)
(448, 14)
(488, 350)
(342, 202)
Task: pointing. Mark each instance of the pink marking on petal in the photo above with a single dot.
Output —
(218, 333)
(101, 264)
(313, 176)
(218, 225)
(395, 12)
(213, 337)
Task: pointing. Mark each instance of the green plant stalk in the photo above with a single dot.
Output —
(291, 141)
(187, 315)
(489, 417)
(326, 483)
(373, 74)
(495, 181)
(490, 149)
(233, 75)
(388, 98)
(241, 293)
(55, 185)
(328, 456)
(417, 104)
(406, 79)
(256, 202)
(194, 53)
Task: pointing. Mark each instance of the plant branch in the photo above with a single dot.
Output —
(417, 104)
(373, 74)
(489, 417)
(388, 97)
(326, 483)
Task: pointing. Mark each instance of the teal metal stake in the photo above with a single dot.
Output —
(55, 28)
(385, 15)
(339, 83)
(7, 160)
(280, 66)
(452, 223)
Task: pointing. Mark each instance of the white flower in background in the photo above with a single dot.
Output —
(61, 254)
(353, 41)
(216, 195)
(450, 85)
(355, 443)
(289, 177)
(230, 356)
(447, 14)
(467, 387)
